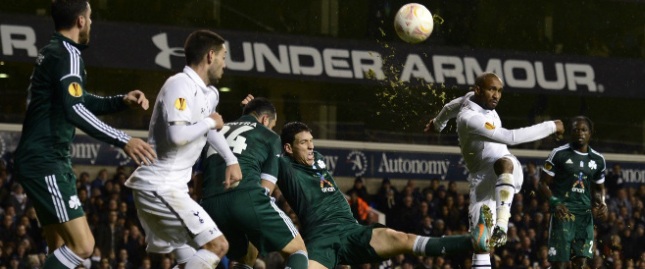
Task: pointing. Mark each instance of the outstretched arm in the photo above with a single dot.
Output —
(449, 111)
(479, 125)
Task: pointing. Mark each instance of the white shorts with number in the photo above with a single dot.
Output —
(172, 220)
(482, 189)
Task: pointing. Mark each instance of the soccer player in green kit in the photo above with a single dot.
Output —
(246, 212)
(331, 233)
(572, 181)
(57, 104)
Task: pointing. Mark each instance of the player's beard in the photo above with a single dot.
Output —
(84, 36)
(213, 77)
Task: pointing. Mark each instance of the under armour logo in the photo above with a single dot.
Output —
(163, 57)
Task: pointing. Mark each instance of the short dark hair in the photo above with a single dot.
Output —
(583, 118)
(290, 130)
(65, 12)
(481, 79)
(199, 43)
(259, 106)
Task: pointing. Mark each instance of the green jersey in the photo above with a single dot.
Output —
(56, 104)
(313, 194)
(257, 149)
(573, 173)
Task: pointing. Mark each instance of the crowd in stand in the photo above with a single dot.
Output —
(437, 210)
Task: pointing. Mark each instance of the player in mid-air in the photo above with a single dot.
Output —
(183, 121)
(495, 175)
(57, 103)
(246, 212)
(332, 234)
(572, 181)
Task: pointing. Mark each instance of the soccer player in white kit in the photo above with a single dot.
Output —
(183, 121)
(495, 175)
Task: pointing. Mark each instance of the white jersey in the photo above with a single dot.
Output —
(183, 100)
(483, 140)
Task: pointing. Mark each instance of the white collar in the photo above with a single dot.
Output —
(193, 75)
(476, 107)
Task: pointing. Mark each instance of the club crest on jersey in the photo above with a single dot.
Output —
(325, 185)
(489, 126)
(592, 165)
(75, 89)
(321, 164)
(180, 104)
(74, 202)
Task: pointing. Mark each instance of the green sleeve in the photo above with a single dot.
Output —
(100, 105)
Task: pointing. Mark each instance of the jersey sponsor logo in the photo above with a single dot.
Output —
(489, 126)
(325, 185)
(579, 185)
(358, 160)
(75, 89)
(180, 104)
(74, 202)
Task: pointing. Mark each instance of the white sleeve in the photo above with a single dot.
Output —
(178, 99)
(449, 111)
(181, 133)
(478, 125)
(218, 142)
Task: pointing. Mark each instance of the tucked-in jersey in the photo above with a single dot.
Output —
(313, 194)
(57, 104)
(483, 140)
(257, 149)
(573, 173)
(184, 99)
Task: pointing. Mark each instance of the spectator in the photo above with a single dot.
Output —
(360, 209)
(614, 180)
(101, 179)
(360, 190)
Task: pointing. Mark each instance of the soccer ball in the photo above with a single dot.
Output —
(413, 23)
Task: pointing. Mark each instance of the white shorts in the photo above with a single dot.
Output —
(482, 189)
(171, 219)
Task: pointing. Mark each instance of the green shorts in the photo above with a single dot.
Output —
(54, 197)
(571, 238)
(249, 215)
(347, 244)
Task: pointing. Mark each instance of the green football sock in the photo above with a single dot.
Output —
(439, 246)
(297, 260)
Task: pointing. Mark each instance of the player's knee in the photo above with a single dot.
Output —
(398, 238)
(503, 165)
(296, 244)
(219, 246)
(84, 248)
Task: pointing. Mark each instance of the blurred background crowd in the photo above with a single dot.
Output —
(440, 208)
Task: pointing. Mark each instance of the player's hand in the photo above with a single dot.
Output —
(559, 130)
(136, 98)
(219, 121)
(233, 176)
(140, 151)
(246, 100)
(562, 212)
(600, 211)
(429, 126)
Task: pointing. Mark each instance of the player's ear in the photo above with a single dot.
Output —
(288, 149)
(80, 21)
